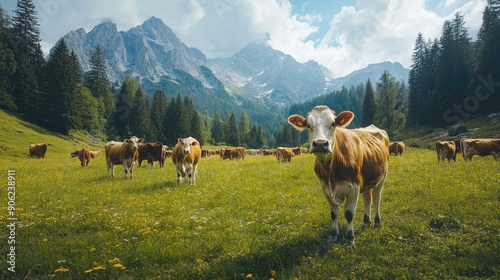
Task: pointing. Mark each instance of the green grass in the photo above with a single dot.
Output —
(248, 219)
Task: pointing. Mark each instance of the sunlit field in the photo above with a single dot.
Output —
(245, 219)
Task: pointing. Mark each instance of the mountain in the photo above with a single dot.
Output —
(270, 75)
(372, 72)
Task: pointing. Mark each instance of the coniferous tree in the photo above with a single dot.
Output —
(96, 79)
(487, 69)
(206, 130)
(176, 124)
(389, 116)
(369, 105)
(232, 131)
(140, 123)
(122, 116)
(158, 108)
(7, 66)
(218, 129)
(244, 127)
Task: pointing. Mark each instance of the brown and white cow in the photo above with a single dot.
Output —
(396, 148)
(83, 155)
(446, 150)
(285, 154)
(186, 155)
(480, 147)
(38, 150)
(122, 153)
(151, 152)
(95, 154)
(348, 162)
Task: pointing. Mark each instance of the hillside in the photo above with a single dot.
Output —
(17, 135)
(426, 136)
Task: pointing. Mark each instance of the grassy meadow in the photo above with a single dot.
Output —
(248, 219)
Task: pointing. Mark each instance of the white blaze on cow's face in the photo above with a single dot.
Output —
(134, 143)
(321, 123)
(186, 144)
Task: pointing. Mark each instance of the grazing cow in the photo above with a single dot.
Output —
(38, 150)
(122, 153)
(151, 152)
(186, 155)
(285, 154)
(348, 162)
(446, 150)
(481, 147)
(95, 154)
(84, 155)
(396, 148)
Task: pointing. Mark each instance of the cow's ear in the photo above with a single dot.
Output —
(141, 140)
(179, 140)
(127, 141)
(298, 121)
(344, 119)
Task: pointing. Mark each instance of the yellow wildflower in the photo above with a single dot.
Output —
(249, 275)
(61, 269)
(89, 270)
(119, 266)
(99, 267)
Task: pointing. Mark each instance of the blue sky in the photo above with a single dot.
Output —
(342, 35)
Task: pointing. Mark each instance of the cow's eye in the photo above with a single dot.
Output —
(333, 125)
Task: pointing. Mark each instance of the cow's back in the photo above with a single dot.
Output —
(112, 152)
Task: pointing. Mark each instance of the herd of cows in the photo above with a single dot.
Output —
(349, 162)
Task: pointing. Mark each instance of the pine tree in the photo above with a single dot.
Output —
(488, 58)
(26, 32)
(158, 108)
(369, 105)
(7, 66)
(122, 116)
(140, 122)
(389, 116)
(96, 79)
(244, 127)
(232, 132)
(218, 129)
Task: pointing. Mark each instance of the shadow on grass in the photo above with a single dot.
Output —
(155, 187)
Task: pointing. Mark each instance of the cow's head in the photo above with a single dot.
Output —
(321, 123)
(133, 143)
(75, 153)
(186, 143)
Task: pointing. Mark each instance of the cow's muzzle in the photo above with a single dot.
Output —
(320, 146)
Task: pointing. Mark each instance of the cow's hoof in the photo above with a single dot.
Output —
(333, 238)
(350, 243)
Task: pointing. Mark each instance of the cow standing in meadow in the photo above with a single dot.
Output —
(480, 147)
(348, 162)
(186, 155)
(446, 150)
(124, 153)
(38, 150)
(84, 156)
(396, 148)
(151, 152)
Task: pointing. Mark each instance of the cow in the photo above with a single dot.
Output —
(481, 147)
(84, 156)
(285, 154)
(186, 155)
(396, 148)
(348, 162)
(122, 153)
(446, 150)
(95, 154)
(151, 152)
(38, 150)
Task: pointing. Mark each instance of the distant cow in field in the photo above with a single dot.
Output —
(186, 155)
(285, 154)
(151, 152)
(446, 150)
(38, 150)
(95, 154)
(480, 147)
(348, 162)
(84, 156)
(396, 148)
(122, 153)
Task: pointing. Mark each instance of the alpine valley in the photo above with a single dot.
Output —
(257, 79)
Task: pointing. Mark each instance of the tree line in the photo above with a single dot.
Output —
(56, 94)
(453, 78)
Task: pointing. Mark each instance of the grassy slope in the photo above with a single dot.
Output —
(425, 137)
(253, 218)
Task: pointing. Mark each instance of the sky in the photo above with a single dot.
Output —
(342, 35)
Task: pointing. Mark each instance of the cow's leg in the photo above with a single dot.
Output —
(125, 167)
(367, 202)
(334, 212)
(377, 197)
(194, 169)
(179, 173)
(131, 170)
(350, 210)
